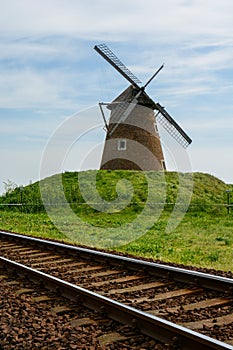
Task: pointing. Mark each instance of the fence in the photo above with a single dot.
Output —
(134, 206)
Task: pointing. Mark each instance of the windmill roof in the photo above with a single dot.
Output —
(128, 95)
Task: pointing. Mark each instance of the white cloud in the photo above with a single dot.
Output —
(27, 87)
(16, 162)
(215, 160)
(123, 18)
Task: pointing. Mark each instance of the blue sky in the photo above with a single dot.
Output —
(49, 71)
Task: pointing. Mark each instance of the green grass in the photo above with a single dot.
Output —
(38, 225)
(204, 241)
(204, 236)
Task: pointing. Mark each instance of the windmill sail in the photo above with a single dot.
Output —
(172, 127)
(110, 57)
(123, 110)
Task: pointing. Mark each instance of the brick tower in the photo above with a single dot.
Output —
(134, 143)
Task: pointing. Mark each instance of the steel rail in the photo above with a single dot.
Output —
(200, 279)
(150, 325)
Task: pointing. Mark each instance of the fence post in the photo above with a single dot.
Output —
(21, 198)
(228, 200)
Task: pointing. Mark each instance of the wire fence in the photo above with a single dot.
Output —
(41, 207)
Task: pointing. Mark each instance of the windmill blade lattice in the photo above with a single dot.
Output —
(110, 57)
(171, 126)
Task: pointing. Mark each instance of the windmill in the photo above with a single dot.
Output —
(132, 139)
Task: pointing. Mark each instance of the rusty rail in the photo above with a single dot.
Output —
(150, 325)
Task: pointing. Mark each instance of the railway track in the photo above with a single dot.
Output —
(38, 317)
(183, 308)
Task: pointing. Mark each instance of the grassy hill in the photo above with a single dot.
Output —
(207, 192)
(174, 230)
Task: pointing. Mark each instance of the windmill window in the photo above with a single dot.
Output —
(121, 145)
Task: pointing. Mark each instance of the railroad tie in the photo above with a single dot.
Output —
(209, 323)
